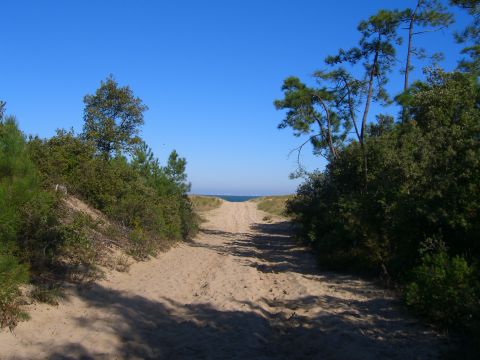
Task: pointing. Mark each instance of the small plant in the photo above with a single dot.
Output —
(120, 263)
(46, 294)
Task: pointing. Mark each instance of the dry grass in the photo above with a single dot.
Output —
(205, 203)
(274, 205)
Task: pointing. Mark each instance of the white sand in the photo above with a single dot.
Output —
(242, 290)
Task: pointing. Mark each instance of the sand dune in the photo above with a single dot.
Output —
(241, 290)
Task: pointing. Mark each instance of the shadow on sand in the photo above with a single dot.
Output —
(268, 248)
(165, 329)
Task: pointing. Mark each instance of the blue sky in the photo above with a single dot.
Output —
(208, 70)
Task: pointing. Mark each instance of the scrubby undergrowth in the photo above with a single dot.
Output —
(415, 222)
(74, 204)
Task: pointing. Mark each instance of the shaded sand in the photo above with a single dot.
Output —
(242, 290)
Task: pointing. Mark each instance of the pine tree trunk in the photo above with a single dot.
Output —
(405, 112)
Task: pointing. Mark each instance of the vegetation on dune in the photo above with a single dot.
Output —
(399, 197)
(108, 166)
(275, 205)
(204, 203)
(27, 219)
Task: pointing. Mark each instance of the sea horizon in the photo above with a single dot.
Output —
(233, 198)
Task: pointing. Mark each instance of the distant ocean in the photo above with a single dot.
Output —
(234, 198)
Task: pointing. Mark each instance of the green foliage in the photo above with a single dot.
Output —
(388, 187)
(27, 211)
(308, 107)
(446, 290)
(27, 219)
(423, 182)
(12, 275)
(65, 158)
(136, 191)
(110, 167)
(141, 244)
(472, 30)
(375, 51)
(175, 171)
(470, 36)
(427, 14)
(113, 117)
(328, 112)
(77, 246)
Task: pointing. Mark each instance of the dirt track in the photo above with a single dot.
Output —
(242, 290)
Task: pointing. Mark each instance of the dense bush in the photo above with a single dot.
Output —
(445, 289)
(423, 182)
(27, 214)
(108, 166)
(12, 275)
(138, 193)
(27, 218)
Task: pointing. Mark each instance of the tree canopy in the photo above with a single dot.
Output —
(113, 116)
(399, 197)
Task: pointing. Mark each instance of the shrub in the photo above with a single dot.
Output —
(12, 275)
(118, 175)
(28, 219)
(141, 245)
(28, 212)
(135, 192)
(423, 182)
(77, 246)
(445, 289)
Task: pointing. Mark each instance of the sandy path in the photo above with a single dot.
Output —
(242, 290)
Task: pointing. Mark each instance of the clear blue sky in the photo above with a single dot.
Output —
(208, 70)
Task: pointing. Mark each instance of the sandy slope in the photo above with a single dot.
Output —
(241, 290)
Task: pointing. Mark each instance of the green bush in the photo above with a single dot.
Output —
(110, 167)
(114, 171)
(77, 246)
(12, 275)
(141, 244)
(28, 212)
(445, 289)
(423, 182)
(136, 192)
(28, 219)
(190, 220)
